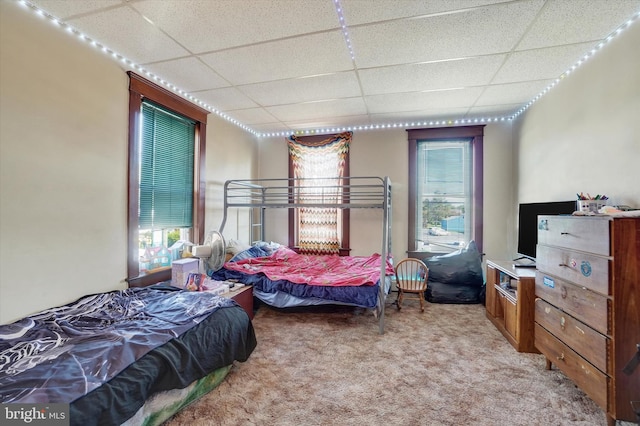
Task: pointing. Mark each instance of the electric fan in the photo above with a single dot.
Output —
(211, 253)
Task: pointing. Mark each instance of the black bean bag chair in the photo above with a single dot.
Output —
(456, 277)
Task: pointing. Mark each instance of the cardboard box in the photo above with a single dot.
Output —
(180, 270)
(178, 279)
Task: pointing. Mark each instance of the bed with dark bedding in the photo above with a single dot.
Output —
(107, 354)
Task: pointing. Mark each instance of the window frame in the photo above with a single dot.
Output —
(476, 134)
(139, 89)
(346, 213)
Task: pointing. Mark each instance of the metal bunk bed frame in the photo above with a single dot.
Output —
(368, 192)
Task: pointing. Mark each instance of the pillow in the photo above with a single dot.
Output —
(462, 267)
(259, 249)
(234, 247)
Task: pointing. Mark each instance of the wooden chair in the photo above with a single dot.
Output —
(411, 278)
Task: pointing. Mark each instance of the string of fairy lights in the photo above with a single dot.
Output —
(131, 65)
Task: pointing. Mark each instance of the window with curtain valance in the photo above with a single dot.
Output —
(319, 164)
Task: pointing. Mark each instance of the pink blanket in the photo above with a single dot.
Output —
(325, 270)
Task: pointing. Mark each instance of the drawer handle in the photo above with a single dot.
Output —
(563, 292)
(565, 233)
(561, 357)
(564, 265)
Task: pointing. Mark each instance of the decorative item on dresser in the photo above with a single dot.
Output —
(587, 310)
(509, 302)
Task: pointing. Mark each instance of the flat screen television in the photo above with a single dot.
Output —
(528, 224)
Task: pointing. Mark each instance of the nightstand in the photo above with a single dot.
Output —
(243, 297)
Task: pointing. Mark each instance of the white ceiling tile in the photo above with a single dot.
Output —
(226, 99)
(253, 116)
(318, 110)
(399, 102)
(124, 31)
(430, 76)
(366, 11)
(540, 64)
(189, 74)
(512, 93)
(332, 124)
(63, 9)
(270, 127)
(297, 57)
(482, 31)
(419, 116)
(564, 22)
(224, 24)
(493, 111)
(328, 86)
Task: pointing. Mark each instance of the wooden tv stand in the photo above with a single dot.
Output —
(511, 310)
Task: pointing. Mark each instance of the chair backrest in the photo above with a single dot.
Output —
(412, 275)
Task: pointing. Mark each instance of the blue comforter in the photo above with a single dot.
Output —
(63, 353)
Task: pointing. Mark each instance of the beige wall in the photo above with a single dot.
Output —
(63, 166)
(231, 154)
(584, 135)
(385, 153)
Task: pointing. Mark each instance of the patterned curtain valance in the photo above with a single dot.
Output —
(323, 158)
(344, 138)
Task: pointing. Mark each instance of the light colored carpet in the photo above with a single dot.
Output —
(446, 366)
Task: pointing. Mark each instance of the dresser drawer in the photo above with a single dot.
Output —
(575, 233)
(591, 380)
(578, 336)
(587, 306)
(583, 269)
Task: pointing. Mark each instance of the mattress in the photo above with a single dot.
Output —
(162, 405)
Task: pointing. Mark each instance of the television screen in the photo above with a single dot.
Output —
(528, 223)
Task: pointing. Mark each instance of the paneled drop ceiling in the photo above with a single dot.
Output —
(276, 66)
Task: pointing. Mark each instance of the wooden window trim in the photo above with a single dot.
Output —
(477, 135)
(140, 89)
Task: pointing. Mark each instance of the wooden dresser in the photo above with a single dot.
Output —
(587, 307)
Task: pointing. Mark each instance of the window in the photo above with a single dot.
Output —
(320, 164)
(166, 184)
(166, 171)
(445, 188)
